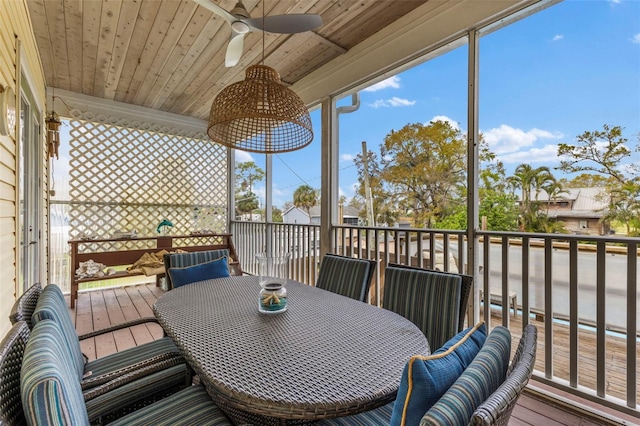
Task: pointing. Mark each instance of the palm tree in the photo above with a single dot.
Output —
(305, 197)
(528, 180)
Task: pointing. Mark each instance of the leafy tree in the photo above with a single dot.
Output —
(424, 166)
(246, 202)
(603, 153)
(586, 180)
(497, 203)
(600, 151)
(384, 209)
(246, 174)
(624, 207)
(305, 197)
(501, 210)
(276, 215)
(530, 180)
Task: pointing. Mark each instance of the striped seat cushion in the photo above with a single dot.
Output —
(127, 357)
(497, 409)
(429, 299)
(191, 406)
(377, 417)
(24, 306)
(183, 260)
(138, 393)
(51, 305)
(50, 389)
(426, 378)
(347, 276)
(479, 380)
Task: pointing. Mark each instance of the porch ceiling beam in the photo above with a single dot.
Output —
(427, 27)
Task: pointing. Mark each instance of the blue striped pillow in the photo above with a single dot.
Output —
(426, 378)
(218, 268)
(478, 381)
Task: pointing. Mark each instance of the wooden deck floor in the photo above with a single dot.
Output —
(101, 308)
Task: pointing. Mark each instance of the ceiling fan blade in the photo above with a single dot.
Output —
(234, 50)
(210, 5)
(286, 24)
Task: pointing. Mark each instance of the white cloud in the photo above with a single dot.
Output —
(347, 157)
(446, 119)
(378, 104)
(547, 154)
(243, 156)
(636, 39)
(395, 101)
(392, 102)
(614, 1)
(393, 82)
(558, 37)
(506, 139)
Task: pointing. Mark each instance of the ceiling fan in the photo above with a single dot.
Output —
(241, 23)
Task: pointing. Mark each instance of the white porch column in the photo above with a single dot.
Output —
(329, 172)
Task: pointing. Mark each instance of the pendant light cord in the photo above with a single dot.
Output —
(263, 11)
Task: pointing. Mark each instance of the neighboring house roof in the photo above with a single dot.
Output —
(292, 208)
(347, 211)
(585, 203)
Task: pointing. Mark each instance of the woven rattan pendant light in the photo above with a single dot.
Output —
(260, 114)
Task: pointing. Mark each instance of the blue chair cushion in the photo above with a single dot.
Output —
(182, 260)
(138, 393)
(426, 378)
(218, 268)
(130, 356)
(52, 305)
(49, 384)
(377, 417)
(191, 406)
(480, 379)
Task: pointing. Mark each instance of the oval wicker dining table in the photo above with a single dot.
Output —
(325, 356)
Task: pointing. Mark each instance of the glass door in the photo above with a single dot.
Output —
(29, 190)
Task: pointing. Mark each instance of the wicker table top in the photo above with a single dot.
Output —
(326, 356)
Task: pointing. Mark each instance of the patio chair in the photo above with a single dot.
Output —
(429, 299)
(25, 304)
(465, 291)
(183, 260)
(497, 409)
(347, 276)
(11, 354)
(142, 373)
(52, 395)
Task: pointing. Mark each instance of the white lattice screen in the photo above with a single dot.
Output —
(130, 175)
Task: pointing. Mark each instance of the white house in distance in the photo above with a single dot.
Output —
(297, 215)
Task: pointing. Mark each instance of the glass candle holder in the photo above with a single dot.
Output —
(273, 298)
(273, 268)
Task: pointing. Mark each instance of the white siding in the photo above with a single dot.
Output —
(14, 23)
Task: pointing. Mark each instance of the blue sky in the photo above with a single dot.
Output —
(543, 80)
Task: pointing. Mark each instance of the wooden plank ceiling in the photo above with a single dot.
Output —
(169, 54)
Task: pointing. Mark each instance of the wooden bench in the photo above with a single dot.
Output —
(126, 251)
